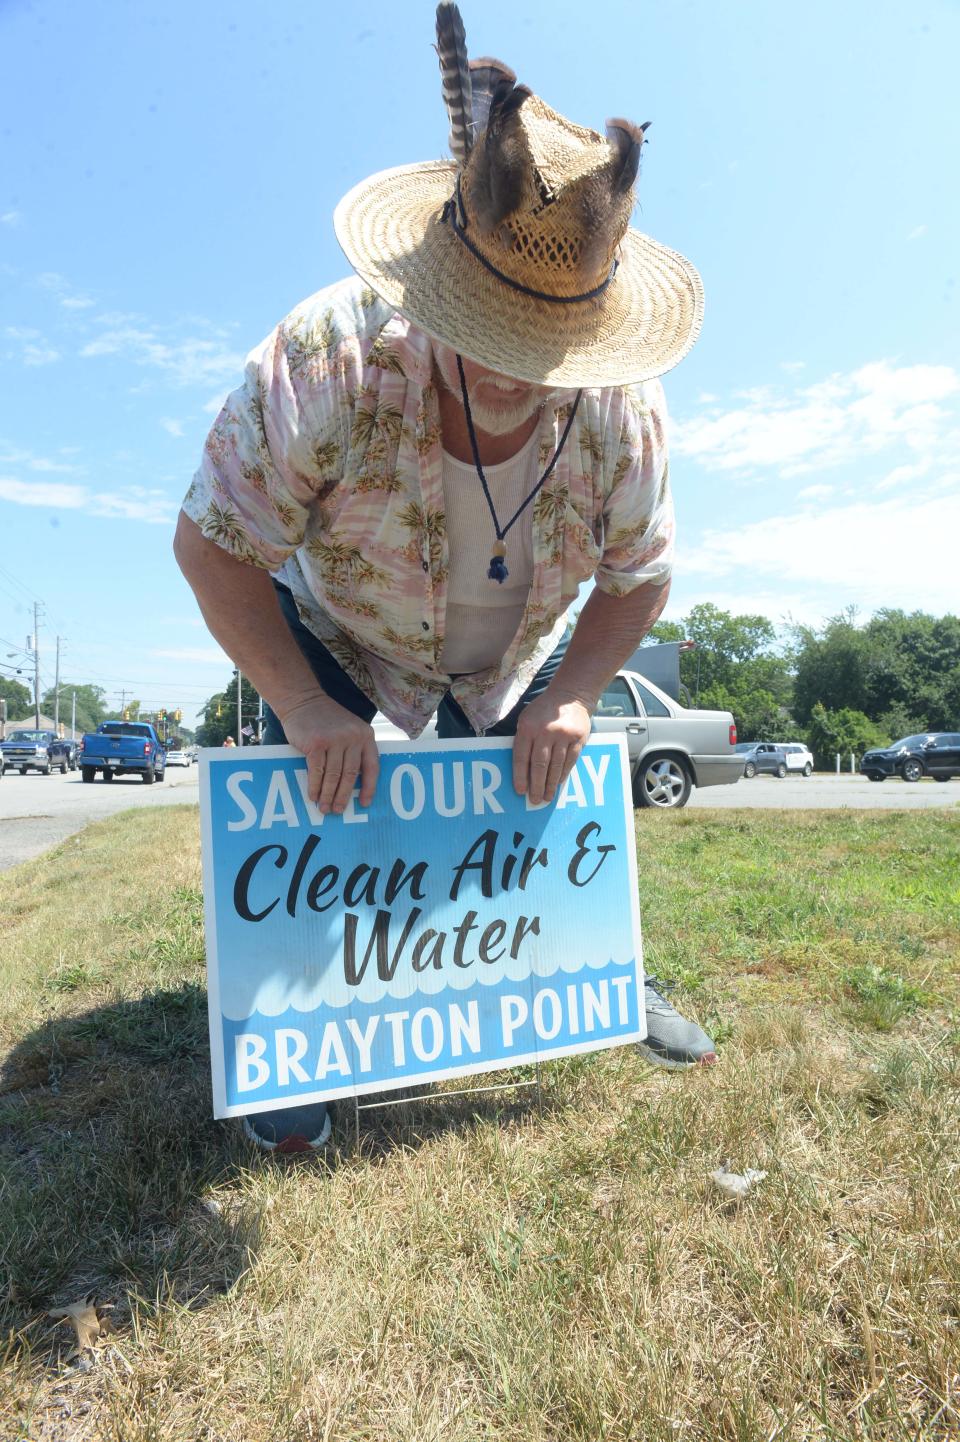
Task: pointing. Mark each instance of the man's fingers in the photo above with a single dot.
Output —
(573, 755)
(348, 777)
(316, 765)
(331, 777)
(540, 754)
(555, 769)
(521, 762)
(369, 770)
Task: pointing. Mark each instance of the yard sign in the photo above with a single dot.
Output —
(449, 929)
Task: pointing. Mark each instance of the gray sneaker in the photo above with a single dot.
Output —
(290, 1129)
(671, 1040)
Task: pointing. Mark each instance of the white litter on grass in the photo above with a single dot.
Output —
(735, 1185)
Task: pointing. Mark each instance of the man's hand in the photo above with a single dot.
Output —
(550, 736)
(338, 746)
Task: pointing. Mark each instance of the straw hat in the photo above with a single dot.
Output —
(518, 253)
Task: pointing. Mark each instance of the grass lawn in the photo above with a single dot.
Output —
(479, 1270)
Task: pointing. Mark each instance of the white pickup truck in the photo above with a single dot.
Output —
(672, 749)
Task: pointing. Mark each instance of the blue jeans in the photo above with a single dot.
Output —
(308, 1120)
(451, 722)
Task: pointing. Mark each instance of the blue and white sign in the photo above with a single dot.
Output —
(450, 929)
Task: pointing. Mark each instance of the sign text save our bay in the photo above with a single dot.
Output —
(451, 928)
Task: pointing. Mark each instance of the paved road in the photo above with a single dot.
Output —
(37, 812)
(830, 793)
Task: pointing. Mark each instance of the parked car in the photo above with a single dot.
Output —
(671, 748)
(178, 758)
(762, 756)
(2, 765)
(799, 758)
(41, 751)
(930, 753)
(72, 749)
(123, 748)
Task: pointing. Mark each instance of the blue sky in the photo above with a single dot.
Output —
(169, 175)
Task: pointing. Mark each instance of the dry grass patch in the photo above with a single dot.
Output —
(482, 1272)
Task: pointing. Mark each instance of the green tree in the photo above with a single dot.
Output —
(19, 698)
(901, 669)
(220, 713)
(914, 665)
(738, 665)
(831, 667)
(755, 711)
(91, 709)
(841, 731)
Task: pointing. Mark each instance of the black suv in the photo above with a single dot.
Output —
(931, 753)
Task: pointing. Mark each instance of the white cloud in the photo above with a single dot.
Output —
(39, 355)
(814, 493)
(10, 217)
(842, 419)
(63, 289)
(35, 350)
(119, 318)
(205, 655)
(898, 552)
(783, 608)
(192, 361)
(214, 405)
(917, 232)
(42, 493)
(134, 504)
(172, 428)
(39, 463)
(793, 366)
(900, 475)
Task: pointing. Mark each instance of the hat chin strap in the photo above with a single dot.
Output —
(454, 207)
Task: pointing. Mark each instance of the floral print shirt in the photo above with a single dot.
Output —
(325, 468)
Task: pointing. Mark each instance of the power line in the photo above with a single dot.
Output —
(5, 642)
(170, 685)
(17, 600)
(11, 577)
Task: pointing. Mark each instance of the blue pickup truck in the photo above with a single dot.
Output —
(123, 748)
(41, 751)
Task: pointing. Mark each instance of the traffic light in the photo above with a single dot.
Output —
(178, 715)
(126, 715)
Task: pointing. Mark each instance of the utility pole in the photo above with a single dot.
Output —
(56, 692)
(73, 718)
(239, 710)
(123, 703)
(36, 664)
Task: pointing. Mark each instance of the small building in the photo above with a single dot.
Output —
(29, 723)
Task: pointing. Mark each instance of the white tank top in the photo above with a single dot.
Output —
(483, 616)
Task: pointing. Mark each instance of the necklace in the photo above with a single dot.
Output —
(497, 570)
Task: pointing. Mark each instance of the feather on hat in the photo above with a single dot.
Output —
(519, 253)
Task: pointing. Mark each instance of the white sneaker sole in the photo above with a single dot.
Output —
(657, 1059)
